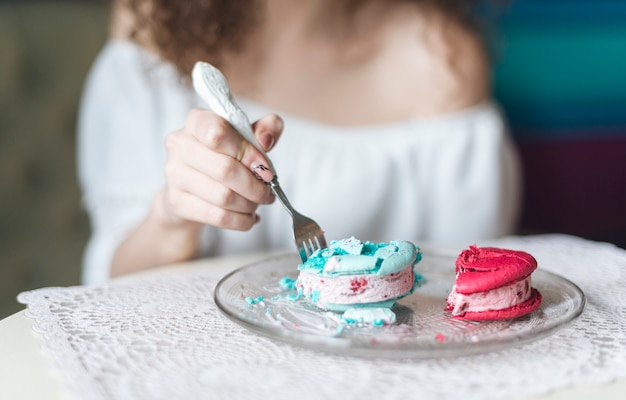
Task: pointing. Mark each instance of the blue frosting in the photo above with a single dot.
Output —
(315, 296)
(343, 307)
(351, 256)
(252, 301)
(287, 283)
(371, 315)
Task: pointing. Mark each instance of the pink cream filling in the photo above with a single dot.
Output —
(495, 299)
(355, 289)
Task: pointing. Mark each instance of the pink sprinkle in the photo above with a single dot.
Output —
(440, 338)
(358, 285)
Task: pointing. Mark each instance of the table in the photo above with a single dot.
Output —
(27, 372)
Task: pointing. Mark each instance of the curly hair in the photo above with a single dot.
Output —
(184, 31)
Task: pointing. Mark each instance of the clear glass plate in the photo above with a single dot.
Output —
(422, 328)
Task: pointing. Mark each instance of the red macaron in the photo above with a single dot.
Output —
(493, 283)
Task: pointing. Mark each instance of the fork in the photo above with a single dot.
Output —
(212, 87)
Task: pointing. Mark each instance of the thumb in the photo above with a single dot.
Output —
(267, 130)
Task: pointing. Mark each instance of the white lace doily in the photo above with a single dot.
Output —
(162, 337)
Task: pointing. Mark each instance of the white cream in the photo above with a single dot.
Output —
(496, 299)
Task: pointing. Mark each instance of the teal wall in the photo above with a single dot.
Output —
(560, 67)
(560, 74)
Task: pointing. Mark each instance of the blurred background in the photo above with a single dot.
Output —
(46, 49)
(559, 73)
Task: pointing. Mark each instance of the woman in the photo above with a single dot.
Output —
(389, 130)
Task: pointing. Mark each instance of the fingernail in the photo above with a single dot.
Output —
(266, 141)
(279, 124)
(262, 172)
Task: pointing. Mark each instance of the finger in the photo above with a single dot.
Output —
(184, 149)
(268, 130)
(192, 181)
(218, 135)
(215, 132)
(230, 173)
(188, 206)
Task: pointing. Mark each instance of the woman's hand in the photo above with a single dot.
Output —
(208, 172)
(209, 181)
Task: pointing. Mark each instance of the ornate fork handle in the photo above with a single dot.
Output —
(212, 86)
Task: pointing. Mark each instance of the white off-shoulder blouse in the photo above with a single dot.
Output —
(453, 178)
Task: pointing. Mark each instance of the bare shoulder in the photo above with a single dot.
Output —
(443, 62)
